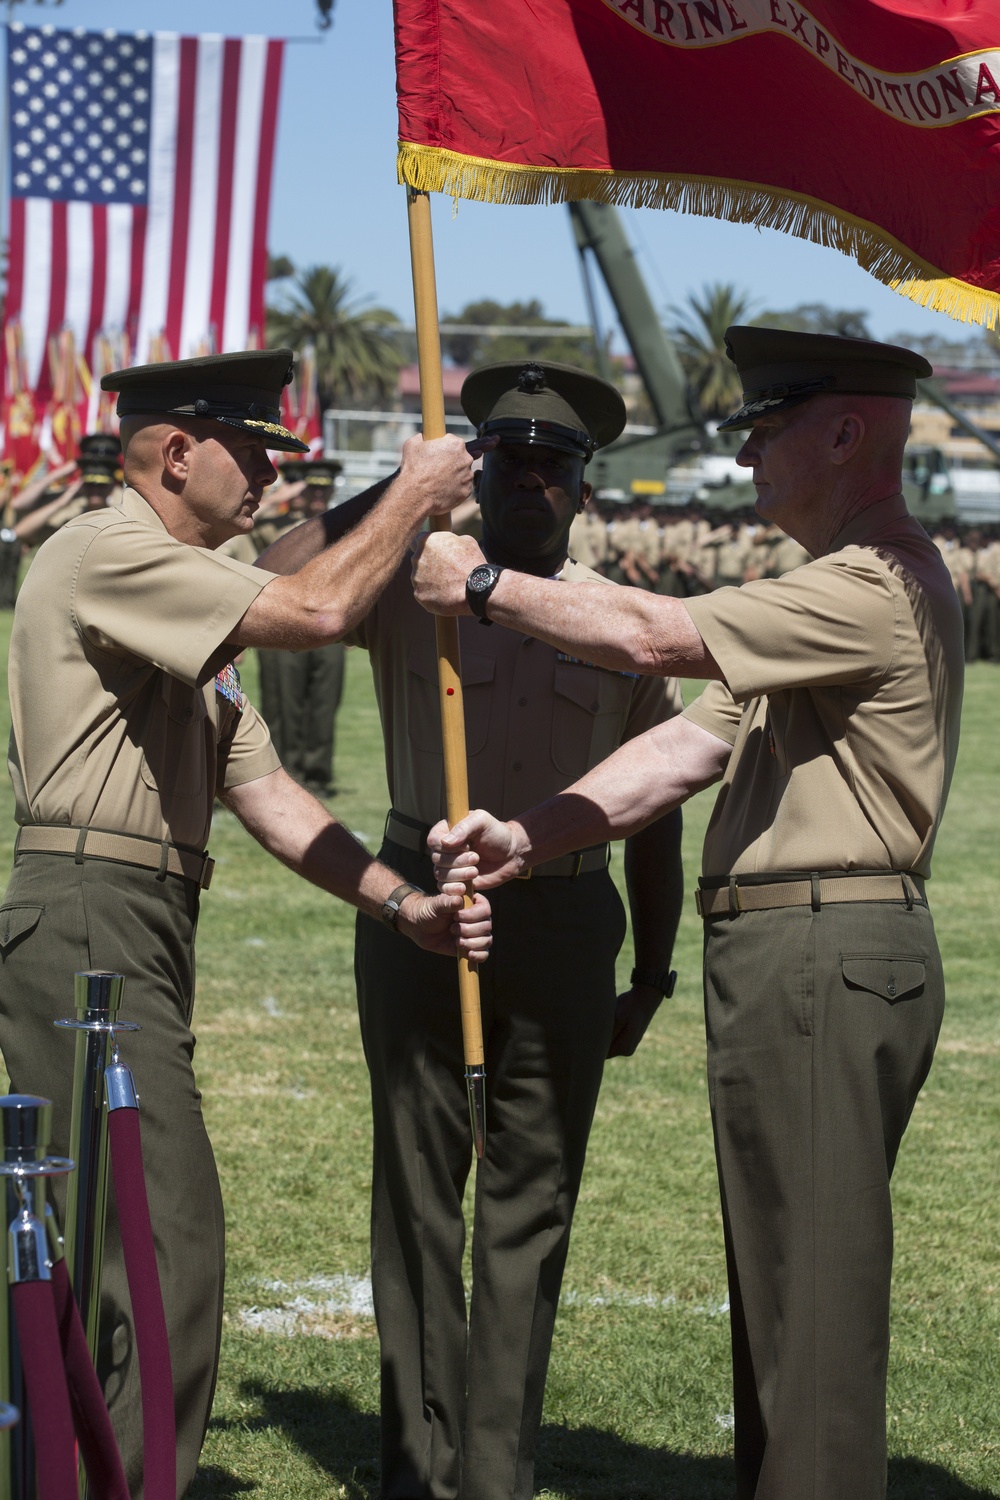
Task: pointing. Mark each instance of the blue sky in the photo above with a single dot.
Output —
(335, 197)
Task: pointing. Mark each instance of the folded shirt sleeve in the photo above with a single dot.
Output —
(717, 711)
(140, 592)
(830, 622)
(247, 753)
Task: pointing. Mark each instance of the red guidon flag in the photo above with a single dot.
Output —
(869, 125)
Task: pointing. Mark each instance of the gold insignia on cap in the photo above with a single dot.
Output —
(266, 427)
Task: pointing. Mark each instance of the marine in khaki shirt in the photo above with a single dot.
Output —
(813, 782)
(131, 735)
(300, 691)
(832, 719)
(462, 1400)
(127, 722)
(732, 552)
(588, 538)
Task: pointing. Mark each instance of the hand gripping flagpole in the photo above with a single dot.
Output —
(456, 779)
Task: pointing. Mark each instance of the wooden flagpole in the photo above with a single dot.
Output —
(456, 777)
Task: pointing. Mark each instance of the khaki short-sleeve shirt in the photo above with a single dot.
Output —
(588, 540)
(535, 718)
(116, 721)
(842, 700)
(731, 557)
(786, 555)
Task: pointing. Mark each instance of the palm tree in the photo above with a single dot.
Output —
(699, 331)
(356, 360)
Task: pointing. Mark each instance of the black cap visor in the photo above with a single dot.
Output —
(256, 417)
(752, 409)
(543, 434)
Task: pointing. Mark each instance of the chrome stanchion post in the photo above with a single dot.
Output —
(29, 1248)
(120, 1084)
(98, 1000)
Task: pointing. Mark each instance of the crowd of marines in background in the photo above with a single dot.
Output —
(668, 549)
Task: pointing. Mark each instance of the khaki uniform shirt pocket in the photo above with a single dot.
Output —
(892, 978)
(423, 707)
(589, 712)
(174, 744)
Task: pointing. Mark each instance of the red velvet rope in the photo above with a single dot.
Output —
(45, 1382)
(90, 1414)
(158, 1424)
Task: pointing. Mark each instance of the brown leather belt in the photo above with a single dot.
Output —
(122, 848)
(811, 890)
(413, 836)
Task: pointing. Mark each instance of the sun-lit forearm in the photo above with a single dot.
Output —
(625, 629)
(644, 779)
(291, 825)
(337, 587)
(37, 486)
(300, 544)
(45, 514)
(328, 595)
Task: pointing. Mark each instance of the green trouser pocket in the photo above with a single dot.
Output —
(894, 978)
(15, 923)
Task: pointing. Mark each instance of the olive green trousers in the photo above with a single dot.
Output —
(59, 918)
(462, 1390)
(821, 1029)
(300, 692)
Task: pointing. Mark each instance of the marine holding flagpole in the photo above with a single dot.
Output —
(462, 1389)
(831, 720)
(128, 720)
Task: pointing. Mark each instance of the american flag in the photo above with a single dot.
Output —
(140, 176)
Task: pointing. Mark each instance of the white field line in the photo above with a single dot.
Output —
(351, 1296)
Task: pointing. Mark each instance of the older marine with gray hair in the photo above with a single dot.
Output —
(832, 719)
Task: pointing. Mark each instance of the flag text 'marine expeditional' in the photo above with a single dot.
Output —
(140, 175)
(869, 125)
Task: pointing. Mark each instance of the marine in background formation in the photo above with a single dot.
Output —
(300, 691)
(680, 551)
(37, 509)
(972, 556)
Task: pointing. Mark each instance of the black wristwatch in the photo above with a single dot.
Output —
(392, 903)
(664, 981)
(478, 587)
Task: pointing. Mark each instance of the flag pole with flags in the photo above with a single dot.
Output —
(456, 777)
(866, 128)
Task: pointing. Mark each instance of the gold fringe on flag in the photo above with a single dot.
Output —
(432, 169)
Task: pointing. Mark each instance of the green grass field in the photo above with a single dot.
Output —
(639, 1402)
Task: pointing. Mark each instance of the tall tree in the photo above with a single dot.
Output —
(357, 360)
(699, 332)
